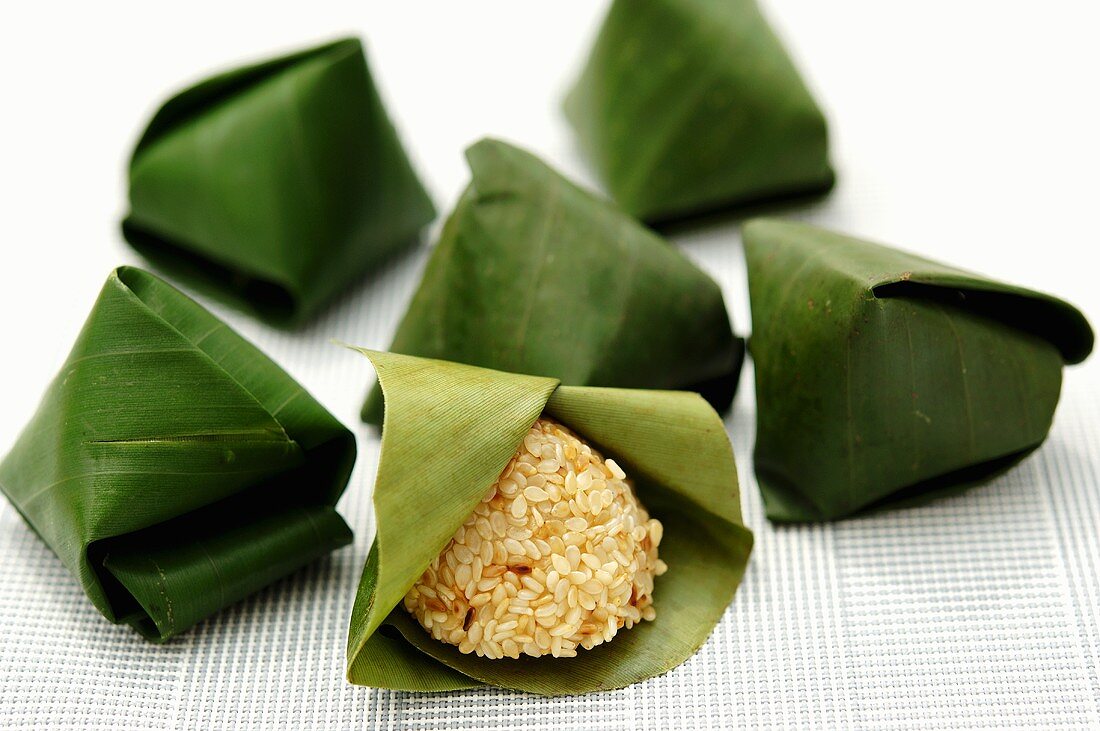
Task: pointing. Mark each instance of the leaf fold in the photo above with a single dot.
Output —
(883, 378)
(535, 275)
(277, 185)
(173, 467)
(692, 107)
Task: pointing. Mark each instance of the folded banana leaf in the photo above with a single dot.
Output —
(885, 379)
(172, 467)
(535, 275)
(277, 185)
(450, 430)
(691, 107)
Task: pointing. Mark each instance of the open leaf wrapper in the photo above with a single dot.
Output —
(174, 468)
(535, 275)
(885, 379)
(690, 107)
(276, 185)
(450, 430)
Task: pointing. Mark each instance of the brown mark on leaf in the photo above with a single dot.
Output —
(906, 276)
(810, 304)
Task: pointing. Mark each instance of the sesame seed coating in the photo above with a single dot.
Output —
(558, 555)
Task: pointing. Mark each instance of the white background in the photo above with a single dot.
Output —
(967, 131)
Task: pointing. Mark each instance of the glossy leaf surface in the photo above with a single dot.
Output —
(277, 185)
(883, 378)
(690, 107)
(535, 275)
(173, 467)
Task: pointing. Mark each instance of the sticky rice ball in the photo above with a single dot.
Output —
(558, 555)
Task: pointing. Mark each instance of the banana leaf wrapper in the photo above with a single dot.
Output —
(277, 185)
(693, 107)
(535, 275)
(884, 379)
(172, 467)
(450, 429)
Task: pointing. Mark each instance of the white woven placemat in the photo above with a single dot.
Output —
(976, 612)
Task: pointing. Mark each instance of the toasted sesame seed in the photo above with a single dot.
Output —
(559, 555)
(577, 525)
(463, 554)
(592, 586)
(535, 494)
(531, 550)
(656, 532)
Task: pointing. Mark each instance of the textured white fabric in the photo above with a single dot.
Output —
(976, 612)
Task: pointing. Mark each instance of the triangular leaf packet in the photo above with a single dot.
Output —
(277, 185)
(449, 431)
(886, 379)
(172, 467)
(693, 107)
(533, 274)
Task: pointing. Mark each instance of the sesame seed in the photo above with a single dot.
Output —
(590, 560)
(535, 494)
(656, 532)
(577, 525)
